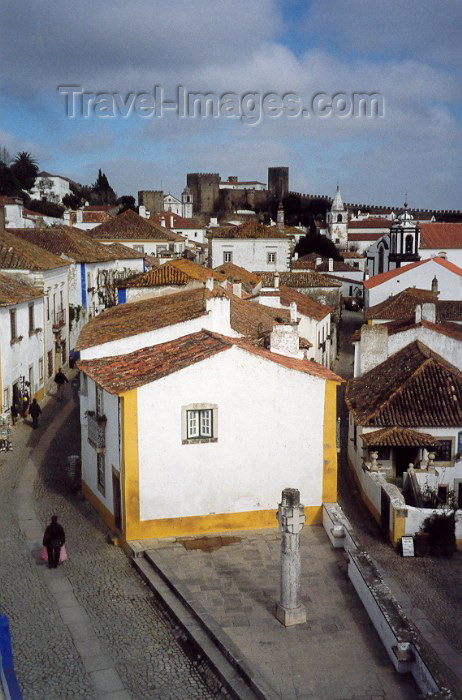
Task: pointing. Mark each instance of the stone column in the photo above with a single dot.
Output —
(291, 518)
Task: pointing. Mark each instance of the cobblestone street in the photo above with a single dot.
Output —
(108, 638)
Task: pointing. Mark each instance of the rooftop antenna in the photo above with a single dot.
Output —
(405, 200)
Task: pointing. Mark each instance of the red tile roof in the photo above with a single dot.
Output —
(253, 320)
(130, 226)
(398, 437)
(14, 291)
(440, 235)
(305, 305)
(369, 223)
(385, 276)
(178, 221)
(234, 273)
(249, 229)
(124, 372)
(17, 254)
(164, 276)
(401, 307)
(451, 330)
(310, 278)
(415, 387)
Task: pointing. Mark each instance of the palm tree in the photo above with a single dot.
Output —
(25, 169)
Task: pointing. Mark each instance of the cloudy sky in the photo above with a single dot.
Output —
(408, 51)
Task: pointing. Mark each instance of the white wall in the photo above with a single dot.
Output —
(251, 253)
(454, 255)
(449, 283)
(258, 432)
(137, 293)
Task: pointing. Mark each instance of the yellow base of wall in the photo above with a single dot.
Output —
(40, 394)
(106, 514)
(208, 524)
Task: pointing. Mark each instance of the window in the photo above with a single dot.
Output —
(199, 423)
(50, 363)
(444, 451)
(101, 476)
(409, 243)
(443, 493)
(40, 365)
(139, 248)
(48, 307)
(99, 402)
(61, 301)
(13, 329)
(63, 352)
(228, 256)
(31, 319)
(271, 258)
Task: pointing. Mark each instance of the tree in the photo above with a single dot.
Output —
(9, 183)
(5, 156)
(126, 202)
(46, 208)
(315, 243)
(103, 190)
(72, 201)
(25, 169)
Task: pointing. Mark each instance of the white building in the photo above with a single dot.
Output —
(189, 444)
(337, 221)
(418, 274)
(51, 188)
(252, 246)
(189, 228)
(232, 183)
(21, 341)
(50, 274)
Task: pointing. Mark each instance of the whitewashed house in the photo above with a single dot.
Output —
(22, 368)
(94, 270)
(50, 274)
(166, 444)
(192, 230)
(52, 188)
(418, 274)
(251, 245)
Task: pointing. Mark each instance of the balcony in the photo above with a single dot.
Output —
(59, 320)
(97, 431)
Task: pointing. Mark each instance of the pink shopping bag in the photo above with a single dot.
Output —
(62, 554)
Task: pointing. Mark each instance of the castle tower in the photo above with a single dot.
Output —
(404, 239)
(278, 182)
(337, 221)
(187, 203)
(280, 218)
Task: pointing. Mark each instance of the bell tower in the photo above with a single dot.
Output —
(187, 203)
(337, 221)
(404, 239)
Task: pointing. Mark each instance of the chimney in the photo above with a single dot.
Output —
(280, 218)
(435, 285)
(171, 220)
(293, 312)
(331, 264)
(318, 262)
(142, 211)
(442, 254)
(295, 256)
(276, 280)
(162, 221)
(428, 311)
(209, 283)
(284, 340)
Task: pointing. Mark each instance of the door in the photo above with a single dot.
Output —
(116, 499)
(31, 381)
(404, 456)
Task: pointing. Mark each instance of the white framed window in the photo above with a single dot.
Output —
(13, 327)
(271, 258)
(199, 423)
(139, 248)
(40, 367)
(31, 319)
(6, 399)
(228, 256)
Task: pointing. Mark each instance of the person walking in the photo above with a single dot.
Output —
(34, 411)
(60, 379)
(14, 412)
(53, 540)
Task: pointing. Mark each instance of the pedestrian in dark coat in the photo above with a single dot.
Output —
(14, 413)
(60, 380)
(53, 540)
(34, 411)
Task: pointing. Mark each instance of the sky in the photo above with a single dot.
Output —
(408, 52)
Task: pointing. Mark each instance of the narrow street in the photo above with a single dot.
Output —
(426, 584)
(91, 622)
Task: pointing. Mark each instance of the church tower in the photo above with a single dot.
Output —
(337, 221)
(404, 239)
(280, 219)
(187, 203)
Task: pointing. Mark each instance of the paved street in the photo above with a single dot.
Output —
(91, 628)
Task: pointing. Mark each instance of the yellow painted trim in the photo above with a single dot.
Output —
(399, 526)
(329, 475)
(98, 505)
(217, 522)
(130, 478)
(364, 497)
(459, 544)
(40, 394)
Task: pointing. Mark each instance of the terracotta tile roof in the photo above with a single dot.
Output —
(441, 236)
(130, 226)
(14, 291)
(251, 319)
(310, 278)
(124, 372)
(352, 254)
(290, 230)
(125, 320)
(305, 305)
(17, 254)
(95, 217)
(398, 437)
(308, 262)
(449, 310)
(414, 387)
(68, 241)
(101, 207)
(192, 269)
(400, 307)
(338, 265)
(178, 221)
(364, 237)
(119, 251)
(369, 223)
(234, 273)
(249, 229)
(385, 276)
(166, 275)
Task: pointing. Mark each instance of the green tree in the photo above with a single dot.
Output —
(25, 169)
(103, 190)
(9, 183)
(315, 243)
(126, 202)
(46, 208)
